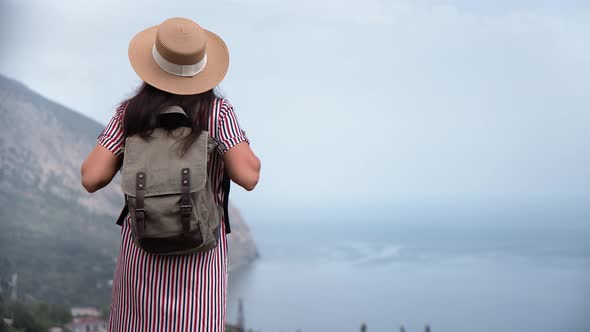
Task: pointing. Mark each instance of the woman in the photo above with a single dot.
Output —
(180, 64)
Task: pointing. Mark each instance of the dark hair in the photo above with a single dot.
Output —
(142, 110)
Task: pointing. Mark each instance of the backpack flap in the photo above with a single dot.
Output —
(159, 159)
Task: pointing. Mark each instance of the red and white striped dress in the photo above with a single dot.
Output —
(173, 293)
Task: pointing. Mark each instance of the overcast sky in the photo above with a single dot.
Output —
(353, 102)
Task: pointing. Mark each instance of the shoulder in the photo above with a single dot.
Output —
(222, 106)
(120, 110)
(226, 109)
(119, 114)
(226, 106)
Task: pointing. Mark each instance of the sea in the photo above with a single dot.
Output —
(448, 269)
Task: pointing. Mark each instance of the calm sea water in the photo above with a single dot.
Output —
(471, 274)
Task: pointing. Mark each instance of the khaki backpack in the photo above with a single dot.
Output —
(169, 196)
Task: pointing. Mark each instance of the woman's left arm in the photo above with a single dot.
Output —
(103, 162)
(99, 168)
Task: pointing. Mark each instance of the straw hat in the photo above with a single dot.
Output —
(179, 56)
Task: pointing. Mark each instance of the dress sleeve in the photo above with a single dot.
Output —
(229, 131)
(111, 136)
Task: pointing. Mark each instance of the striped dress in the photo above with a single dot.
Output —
(173, 293)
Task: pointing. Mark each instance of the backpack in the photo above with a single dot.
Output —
(170, 197)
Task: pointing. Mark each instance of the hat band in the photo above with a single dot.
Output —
(176, 69)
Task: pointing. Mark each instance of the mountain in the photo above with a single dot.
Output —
(61, 241)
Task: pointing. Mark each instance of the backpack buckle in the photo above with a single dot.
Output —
(139, 213)
(186, 210)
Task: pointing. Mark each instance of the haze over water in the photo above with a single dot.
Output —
(528, 272)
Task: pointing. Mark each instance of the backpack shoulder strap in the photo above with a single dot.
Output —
(225, 186)
(225, 181)
(123, 212)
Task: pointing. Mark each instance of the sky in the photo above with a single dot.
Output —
(353, 103)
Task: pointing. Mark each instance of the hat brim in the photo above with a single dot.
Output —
(142, 61)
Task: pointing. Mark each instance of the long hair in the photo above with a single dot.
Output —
(143, 109)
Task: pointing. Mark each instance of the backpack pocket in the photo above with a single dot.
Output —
(209, 216)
